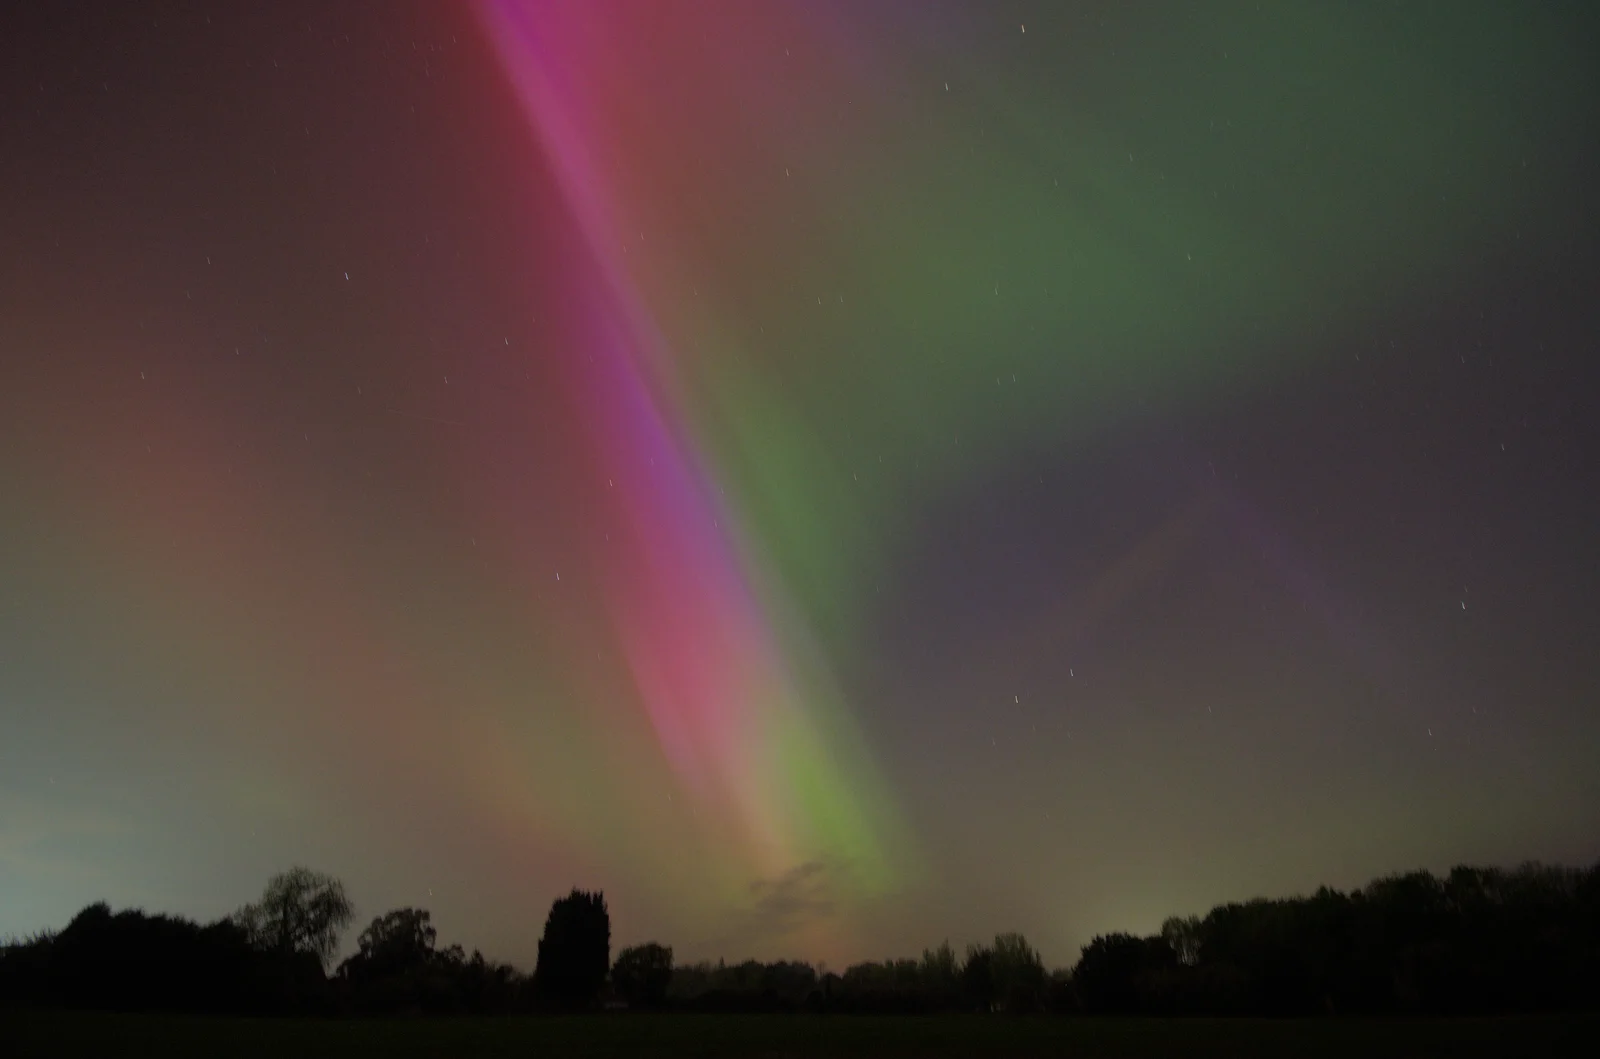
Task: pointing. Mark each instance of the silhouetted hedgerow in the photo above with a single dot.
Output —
(1479, 940)
(129, 961)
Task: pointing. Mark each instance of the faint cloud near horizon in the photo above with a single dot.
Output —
(800, 894)
(787, 904)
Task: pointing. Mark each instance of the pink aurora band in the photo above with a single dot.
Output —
(738, 724)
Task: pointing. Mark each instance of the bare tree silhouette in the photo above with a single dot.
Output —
(300, 911)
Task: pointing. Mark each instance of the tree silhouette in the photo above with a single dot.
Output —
(642, 974)
(575, 951)
(977, 977)
(300, 911)
(1017, 972)
(394, 943)
(939, 977)
(1182, 933)
(1116, 972)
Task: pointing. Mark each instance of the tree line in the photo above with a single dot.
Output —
(1477, 940)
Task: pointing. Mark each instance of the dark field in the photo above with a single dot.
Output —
(781, 1035)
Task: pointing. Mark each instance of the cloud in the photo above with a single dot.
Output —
(802, 894)
(787, 904)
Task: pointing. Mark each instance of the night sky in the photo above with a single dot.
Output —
(836, 476)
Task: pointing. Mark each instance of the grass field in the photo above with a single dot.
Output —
(797, 1035)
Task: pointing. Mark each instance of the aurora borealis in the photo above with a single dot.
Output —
(835, 476)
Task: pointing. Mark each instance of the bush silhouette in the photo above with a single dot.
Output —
(130, 961)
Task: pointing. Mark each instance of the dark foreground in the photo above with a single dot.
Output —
(774, 1036)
